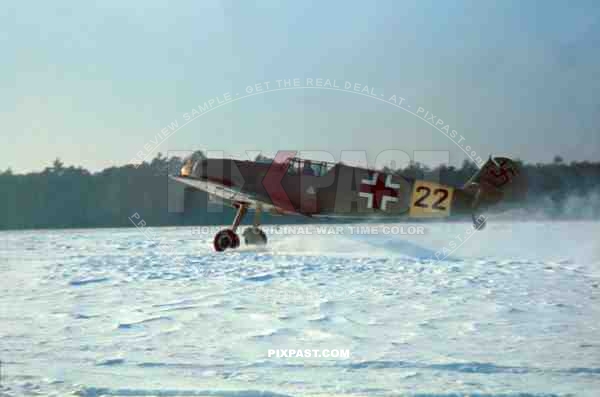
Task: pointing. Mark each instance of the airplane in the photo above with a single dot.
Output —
(292, 185)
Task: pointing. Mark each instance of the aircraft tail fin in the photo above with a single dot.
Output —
(500, 179)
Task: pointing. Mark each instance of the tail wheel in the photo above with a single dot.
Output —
(479, 221)
(224, 239)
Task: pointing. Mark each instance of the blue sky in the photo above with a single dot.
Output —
(92, 84)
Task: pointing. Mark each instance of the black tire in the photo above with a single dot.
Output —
(224, 239)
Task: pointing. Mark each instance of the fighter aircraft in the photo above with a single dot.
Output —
(291, 185)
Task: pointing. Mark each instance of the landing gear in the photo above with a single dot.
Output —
(228, 238)
(254, 236)
(479, 221)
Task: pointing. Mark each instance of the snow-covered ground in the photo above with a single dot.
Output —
(514, 312)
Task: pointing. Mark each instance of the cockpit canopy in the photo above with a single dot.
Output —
(298, 166)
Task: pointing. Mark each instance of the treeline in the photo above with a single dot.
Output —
(72, 197)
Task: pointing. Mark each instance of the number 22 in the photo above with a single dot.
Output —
(442, 195)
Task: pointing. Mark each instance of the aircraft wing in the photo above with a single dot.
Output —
(231, 195)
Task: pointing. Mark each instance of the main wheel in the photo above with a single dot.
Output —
(224, 239)
(255, 236)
